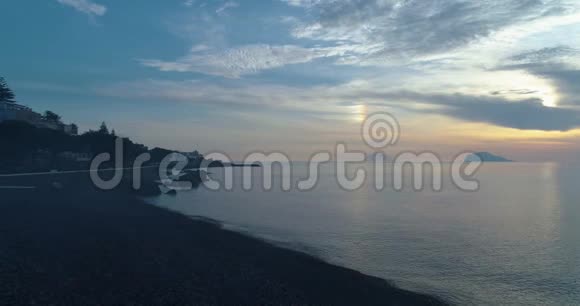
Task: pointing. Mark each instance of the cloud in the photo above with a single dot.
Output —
(528, 114)
(233, 63)
(523, 114)
(555, 64)
(302, 3)
(85, 6)
(550, 54)
(209, 93)
(513, 92)
(189, 3)
(565, 78)
(419, 27)
(227, 5)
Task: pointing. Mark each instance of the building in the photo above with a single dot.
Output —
(76, 156)
(17, 112)
(71, 129)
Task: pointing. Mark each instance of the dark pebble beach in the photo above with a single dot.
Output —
(71, 244)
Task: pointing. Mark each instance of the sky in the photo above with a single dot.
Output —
(298, 76)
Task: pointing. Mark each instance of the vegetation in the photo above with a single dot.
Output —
(6, 94)
(51, 116)
(26, 147)
(104, 129)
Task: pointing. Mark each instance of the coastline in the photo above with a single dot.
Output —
(84, 246)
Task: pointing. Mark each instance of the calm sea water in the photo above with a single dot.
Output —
(515, 241)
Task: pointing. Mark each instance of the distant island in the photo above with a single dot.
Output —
(486, 157)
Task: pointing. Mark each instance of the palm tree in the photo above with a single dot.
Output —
(6, 94)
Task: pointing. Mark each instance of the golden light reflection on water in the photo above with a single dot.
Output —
(551, 197)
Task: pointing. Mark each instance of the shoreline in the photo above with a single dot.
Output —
(83, 246)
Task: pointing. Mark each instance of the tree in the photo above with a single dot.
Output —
(51, 116)
(6, 94)
(104, 129)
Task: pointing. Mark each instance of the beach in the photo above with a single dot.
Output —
(75, 245)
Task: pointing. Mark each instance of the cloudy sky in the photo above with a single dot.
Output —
(300, 75)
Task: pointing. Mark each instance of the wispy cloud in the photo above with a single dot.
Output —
(189, 3)
(233, 63)
(302, 3)
(227, 5)
(417, 27)
(522, 114)
(85, 6)
(548, 54)
(515, 88)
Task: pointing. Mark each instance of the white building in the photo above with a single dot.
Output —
(17, 112)
(13, 111)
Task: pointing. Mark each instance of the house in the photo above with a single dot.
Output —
(17, 112)
(76, 156)
(71, 129)
(48, 124)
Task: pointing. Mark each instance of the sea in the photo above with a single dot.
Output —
(514, 241)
